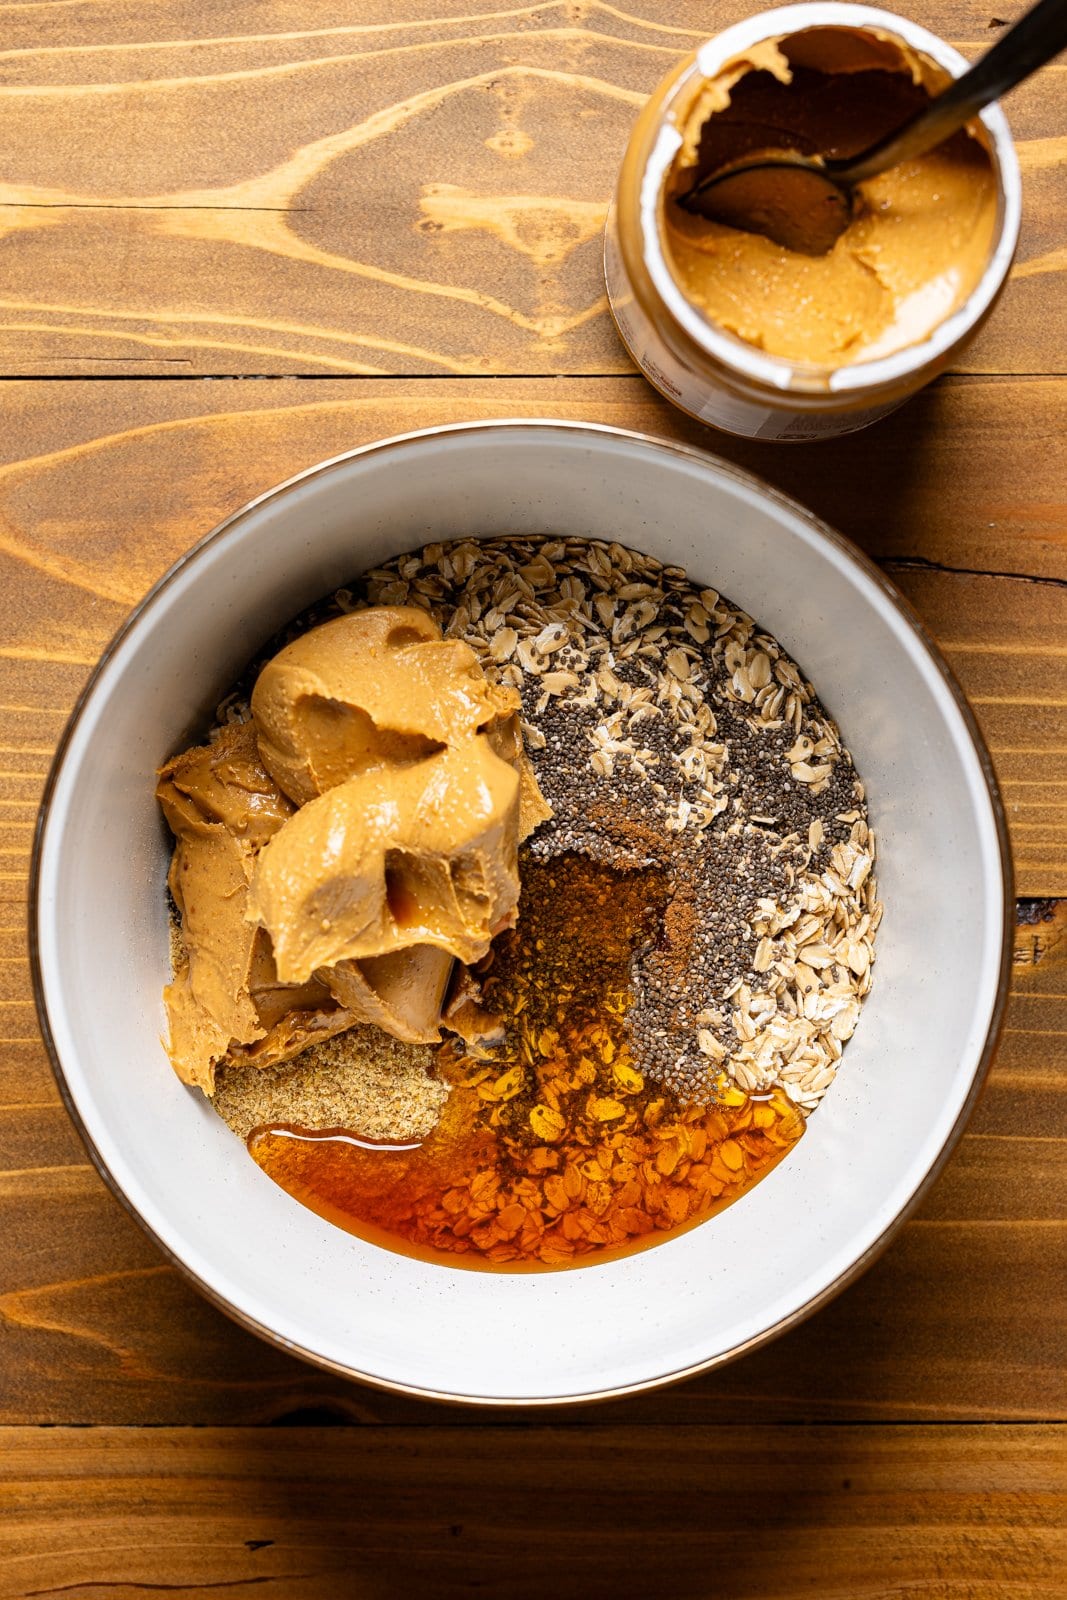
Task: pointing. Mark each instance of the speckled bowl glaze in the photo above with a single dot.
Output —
(911, 1074)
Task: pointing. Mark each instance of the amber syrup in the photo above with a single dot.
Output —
(557, 1152)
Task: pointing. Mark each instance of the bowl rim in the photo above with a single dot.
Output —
(848, 552)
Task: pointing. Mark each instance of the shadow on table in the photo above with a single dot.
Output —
(876, 486)
(729, 1512)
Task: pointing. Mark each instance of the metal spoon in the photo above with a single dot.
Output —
(806, 202)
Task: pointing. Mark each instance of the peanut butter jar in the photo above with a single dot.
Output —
(763, 342)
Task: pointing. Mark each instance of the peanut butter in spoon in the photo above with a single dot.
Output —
(921, 234)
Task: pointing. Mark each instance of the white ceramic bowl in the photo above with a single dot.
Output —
(911, 1074)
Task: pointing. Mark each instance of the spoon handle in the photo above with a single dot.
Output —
(1035, 39)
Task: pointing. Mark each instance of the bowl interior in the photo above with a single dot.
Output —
(909, 1072)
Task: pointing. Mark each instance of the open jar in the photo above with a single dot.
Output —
(758, 340)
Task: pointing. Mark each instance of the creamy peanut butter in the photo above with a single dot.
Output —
(222, 807)
(375, 688)
(923, 231)
(425, 854)
(337, 853)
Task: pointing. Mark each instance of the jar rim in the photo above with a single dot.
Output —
(779, 372)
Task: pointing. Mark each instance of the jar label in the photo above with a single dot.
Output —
(701, 396)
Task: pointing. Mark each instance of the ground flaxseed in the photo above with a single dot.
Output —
(363, 1079)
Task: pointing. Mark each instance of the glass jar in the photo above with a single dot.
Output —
(708, 371)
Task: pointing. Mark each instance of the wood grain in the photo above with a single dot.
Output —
(738, 1513)
(103, 485)
(276, 189)
(395, 214)
(96, 1328)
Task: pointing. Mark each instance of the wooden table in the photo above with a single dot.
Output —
(236, 238)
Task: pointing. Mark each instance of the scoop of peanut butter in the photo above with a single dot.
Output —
(376, 689)
(415, 855)
(339, 852)
(921, 233)
(222, 806)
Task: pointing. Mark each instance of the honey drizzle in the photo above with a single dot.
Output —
(557, 1150)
